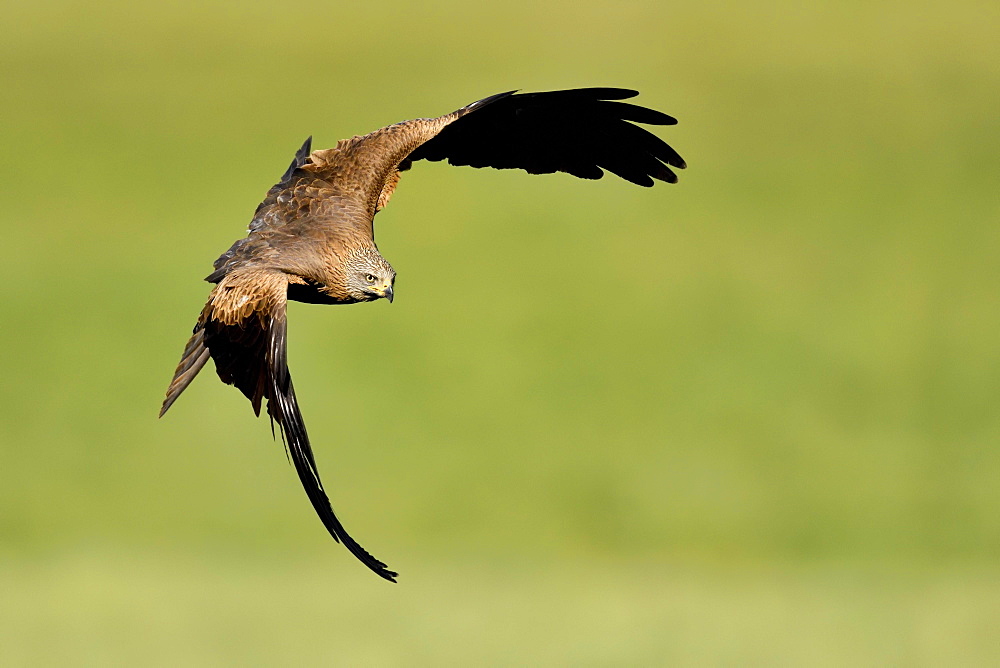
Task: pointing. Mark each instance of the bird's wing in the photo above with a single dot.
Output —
(581, 132)
(243, 328)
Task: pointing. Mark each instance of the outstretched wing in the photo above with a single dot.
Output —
(581, 132)
(244, 329)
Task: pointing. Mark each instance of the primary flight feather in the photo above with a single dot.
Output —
(312, 238)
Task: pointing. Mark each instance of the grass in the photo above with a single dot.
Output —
(170, 609)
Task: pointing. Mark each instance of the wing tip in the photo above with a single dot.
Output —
(192, 360)
(613, 93)
(381, 570)
(300, 159)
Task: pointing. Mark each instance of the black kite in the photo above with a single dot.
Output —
(312, 240)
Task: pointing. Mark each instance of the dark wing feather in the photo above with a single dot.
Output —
(243, 327)
(284, 410)
(239, 354)
(581, 132)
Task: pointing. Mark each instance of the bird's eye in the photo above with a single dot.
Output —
(369, 278)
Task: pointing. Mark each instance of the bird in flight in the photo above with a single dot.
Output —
(312, 238)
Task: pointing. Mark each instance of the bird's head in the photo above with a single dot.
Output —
(369, 276)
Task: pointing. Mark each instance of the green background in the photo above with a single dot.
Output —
(750, 418)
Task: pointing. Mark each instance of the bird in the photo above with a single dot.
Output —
(312, 237)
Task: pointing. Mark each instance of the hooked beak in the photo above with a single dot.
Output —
(387, 293)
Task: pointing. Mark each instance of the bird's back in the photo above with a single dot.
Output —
(304, 223)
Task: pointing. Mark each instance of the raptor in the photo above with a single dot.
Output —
(312, 238)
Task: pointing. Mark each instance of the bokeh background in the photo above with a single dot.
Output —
(750, 418)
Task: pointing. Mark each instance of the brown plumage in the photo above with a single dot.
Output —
(312, 240)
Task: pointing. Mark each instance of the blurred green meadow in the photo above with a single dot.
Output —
(751, 418)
